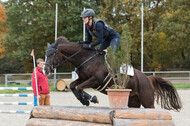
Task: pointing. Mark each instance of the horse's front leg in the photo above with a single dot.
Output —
(73, 85)
(88, 84)
(88, 97)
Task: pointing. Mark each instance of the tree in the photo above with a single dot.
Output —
(32, 25)
(166, 25)
(121, 58)
(129, 11)
(3, 29)
(175, 26)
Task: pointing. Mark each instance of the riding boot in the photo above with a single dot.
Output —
(80, 98)
(93, 99)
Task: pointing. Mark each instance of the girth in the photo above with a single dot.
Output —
(105, 82)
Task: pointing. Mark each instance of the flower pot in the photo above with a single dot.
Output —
(118, 98)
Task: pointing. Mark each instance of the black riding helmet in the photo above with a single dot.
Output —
(87, 13)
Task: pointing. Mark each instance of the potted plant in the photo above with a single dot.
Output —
(116, 63)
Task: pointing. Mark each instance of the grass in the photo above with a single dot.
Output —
(181, 85)
(20, 91)
(176, 85)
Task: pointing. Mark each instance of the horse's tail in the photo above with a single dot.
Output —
(167, 93)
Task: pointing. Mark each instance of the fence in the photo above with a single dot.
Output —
(16, 95)
(9, 78)
(176, 75)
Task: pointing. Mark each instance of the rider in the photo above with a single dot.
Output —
(106, 36)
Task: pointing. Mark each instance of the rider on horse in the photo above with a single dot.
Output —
(106, 36)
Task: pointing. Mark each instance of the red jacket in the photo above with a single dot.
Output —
(42, 82)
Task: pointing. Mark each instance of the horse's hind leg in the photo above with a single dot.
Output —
(145, 91)
(147, 99)
(134, 102)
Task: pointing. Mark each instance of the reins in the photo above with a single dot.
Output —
(86, 61)
(63, 61)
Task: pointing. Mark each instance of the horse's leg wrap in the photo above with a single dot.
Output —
(80, 98)
(93, 99)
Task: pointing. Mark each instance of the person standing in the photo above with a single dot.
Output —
(106, 36)
(42, 83)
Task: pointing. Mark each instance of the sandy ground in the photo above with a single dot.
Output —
(181, 118)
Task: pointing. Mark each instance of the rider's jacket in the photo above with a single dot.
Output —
(101, 31)
(106, 29)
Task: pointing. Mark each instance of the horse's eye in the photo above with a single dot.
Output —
(52, 54)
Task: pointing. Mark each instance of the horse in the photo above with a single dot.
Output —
(92, 71)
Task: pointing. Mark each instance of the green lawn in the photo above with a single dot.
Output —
(20, 91)
(177, 85)
(181, 85)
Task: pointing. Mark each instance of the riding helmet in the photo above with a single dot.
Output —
(87, 13)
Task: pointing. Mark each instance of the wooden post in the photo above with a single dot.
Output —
(98, 116)
(131, 113)
(53, 122)
(87, 114)
(142, 122)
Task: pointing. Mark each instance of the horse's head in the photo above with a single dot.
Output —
(51, 59)
(53, 56)
(63, 50)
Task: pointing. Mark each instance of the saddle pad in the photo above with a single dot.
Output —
(130, 70)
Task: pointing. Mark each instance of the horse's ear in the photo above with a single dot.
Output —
(55, 44)
(48, 45)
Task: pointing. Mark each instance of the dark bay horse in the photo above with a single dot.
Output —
(92, 72)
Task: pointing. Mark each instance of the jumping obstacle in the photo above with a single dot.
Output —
(12, 111)
(98, 116)
(15, 88)
(15, 95)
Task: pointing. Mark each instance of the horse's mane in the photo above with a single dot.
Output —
(64, 40)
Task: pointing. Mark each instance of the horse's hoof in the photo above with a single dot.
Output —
(87, 103)
(94, 99)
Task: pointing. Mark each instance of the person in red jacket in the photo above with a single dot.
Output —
(42, 82)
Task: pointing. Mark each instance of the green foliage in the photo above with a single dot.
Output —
(121, 57)
(31, 25)
(10, 66)
(29, 28)
(176, 25)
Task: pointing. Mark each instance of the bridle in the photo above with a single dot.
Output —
(56, 57)
(63, 61)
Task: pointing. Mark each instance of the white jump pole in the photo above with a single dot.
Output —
(35, 98)
(84, 29)
(55, 38)
(142, 38)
